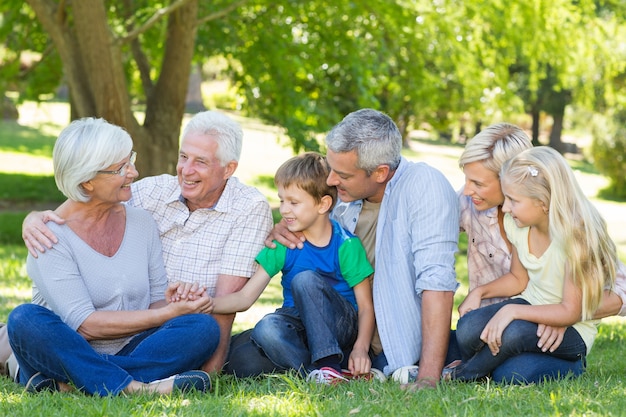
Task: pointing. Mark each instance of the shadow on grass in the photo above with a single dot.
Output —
(610, 194)
(23, 191)
(18, 138)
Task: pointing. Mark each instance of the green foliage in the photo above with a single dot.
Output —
(609, 151)
(27, 64)
(15, 287)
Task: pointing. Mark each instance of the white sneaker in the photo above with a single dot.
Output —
(406, 374)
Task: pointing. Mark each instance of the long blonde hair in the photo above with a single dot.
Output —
(576, 225)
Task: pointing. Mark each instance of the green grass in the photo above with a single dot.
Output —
(600, 391)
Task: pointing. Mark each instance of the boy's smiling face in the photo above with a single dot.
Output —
(298, 208)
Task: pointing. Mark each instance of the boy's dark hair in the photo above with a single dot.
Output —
(308, 172)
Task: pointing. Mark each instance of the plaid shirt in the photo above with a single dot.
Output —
(199, 246)
(488, 256)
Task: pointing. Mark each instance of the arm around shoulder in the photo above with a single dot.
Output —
(37, 236)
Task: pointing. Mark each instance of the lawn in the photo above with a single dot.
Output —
(26, 183)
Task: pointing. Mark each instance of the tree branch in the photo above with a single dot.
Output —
(222, 13)
(143, 65)
(158, 15)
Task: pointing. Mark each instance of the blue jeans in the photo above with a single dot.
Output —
(520, 337)
(321, 324)
(246, 359)
(526, 368)
(42, 342)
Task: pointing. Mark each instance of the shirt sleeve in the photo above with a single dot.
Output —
(433, 231)
(272, 260)
(157, 274)
(60, 284)
(246, 239)
(353, 262)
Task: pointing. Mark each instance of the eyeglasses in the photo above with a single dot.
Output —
(122, 171)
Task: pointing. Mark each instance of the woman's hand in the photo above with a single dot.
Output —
(202, 304)
(471, 302)
(550, 337)
(183, 291)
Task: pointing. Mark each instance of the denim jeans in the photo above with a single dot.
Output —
(526, 368)
(520, 337)
(42, 342)
(322, 323)
(246, 359)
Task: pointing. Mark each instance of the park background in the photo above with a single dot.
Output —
(288, 71)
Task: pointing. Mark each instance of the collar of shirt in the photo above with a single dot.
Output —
(222, 205)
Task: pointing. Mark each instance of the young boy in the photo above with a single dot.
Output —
(327, 307)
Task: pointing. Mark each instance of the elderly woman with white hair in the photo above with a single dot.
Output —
(99, 320)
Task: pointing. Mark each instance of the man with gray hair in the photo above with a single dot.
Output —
(406, 214)
(211, 225)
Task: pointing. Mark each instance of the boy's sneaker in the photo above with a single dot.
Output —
(326, 376)
(373, 375)
(406, 374)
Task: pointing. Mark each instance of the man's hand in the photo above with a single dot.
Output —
(281, 233)
(37, 236)
(203, 304)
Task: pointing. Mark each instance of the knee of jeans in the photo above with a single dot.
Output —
(207, 325)
(19, 316)
(304, 280)
(267, 331)
(518, 333)
(465, 332)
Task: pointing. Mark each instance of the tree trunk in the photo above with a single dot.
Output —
(536, 115)
(557, 111)
(92, 62)
(555, 132)
(166, 106)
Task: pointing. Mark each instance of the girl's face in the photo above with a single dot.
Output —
(526, 211)
(482, 186)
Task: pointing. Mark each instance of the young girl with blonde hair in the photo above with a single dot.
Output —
(562, 261)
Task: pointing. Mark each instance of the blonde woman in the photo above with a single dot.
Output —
(562, 261)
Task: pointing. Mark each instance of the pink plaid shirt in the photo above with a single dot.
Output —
(488, 256)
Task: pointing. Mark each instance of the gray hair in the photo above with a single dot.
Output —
(83, 148)
(225, 130)
(494, 145)
(372, 134)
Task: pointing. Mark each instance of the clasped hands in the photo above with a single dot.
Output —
(189, 295)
